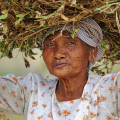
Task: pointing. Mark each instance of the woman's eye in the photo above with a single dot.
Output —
(71, 43)
(50, 44)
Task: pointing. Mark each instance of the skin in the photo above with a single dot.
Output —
(68, 58)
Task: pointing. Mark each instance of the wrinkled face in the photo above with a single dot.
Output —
(65, 56)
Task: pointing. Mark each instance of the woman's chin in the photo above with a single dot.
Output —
(60, 73)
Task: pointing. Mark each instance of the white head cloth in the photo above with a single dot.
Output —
(88, 31)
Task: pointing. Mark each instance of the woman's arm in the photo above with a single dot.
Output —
(118, 84)
(110, 90)
(14, 93)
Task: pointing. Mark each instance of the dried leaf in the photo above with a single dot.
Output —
(64, 17)
(117, 21)
(5, 28)
(27, 64)
(32, 57)
(73, 3)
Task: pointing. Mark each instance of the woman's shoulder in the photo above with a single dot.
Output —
(38, 78)
(109, 82)
(31, 79)
(106, 81)
(110, 76)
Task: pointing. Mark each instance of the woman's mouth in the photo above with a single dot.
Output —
(59, 65)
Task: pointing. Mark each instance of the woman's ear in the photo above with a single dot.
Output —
(92, 54)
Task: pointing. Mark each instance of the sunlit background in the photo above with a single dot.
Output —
(17, 67)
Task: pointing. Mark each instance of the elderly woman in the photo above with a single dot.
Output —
(75, 94)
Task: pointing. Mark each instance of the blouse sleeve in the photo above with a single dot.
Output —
(14, 93)
(118, 84)
(109, 93)
(115, 78)
(116, 90)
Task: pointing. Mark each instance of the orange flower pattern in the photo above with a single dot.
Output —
(34, 96)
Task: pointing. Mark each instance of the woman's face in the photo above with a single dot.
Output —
(65, 56)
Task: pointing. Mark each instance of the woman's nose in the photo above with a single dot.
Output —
(60, 53)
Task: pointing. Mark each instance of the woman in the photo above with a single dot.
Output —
(75, 94)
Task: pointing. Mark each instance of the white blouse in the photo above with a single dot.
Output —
(34, 97)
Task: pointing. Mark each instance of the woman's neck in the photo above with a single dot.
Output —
(71, 88)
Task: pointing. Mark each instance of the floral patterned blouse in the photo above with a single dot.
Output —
(34, 97)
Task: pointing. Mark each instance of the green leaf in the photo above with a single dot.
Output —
(96, 11)
(45, 25)
(2, 44)
(18, 21)
(3, 16)
(72, 34)
(41, 36)
(6, 53)
(20, 45)
(1, 55)
(20, 15)
(11, 46)
(4, 11)
(51, 31)
(26, 3)
(115, 53)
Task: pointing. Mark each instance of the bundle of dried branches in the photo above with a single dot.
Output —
(23, 23)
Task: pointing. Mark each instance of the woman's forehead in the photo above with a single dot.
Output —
(58, 33)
